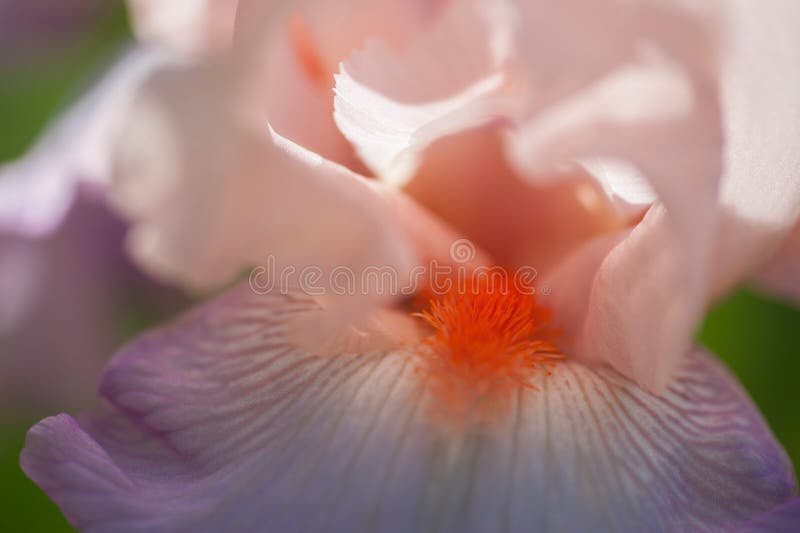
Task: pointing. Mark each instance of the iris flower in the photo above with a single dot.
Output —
(640, 156)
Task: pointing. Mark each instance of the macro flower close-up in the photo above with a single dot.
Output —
(442, 265)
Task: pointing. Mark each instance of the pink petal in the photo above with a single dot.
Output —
(210, 197)
(761, 95)
(37, 191)
(559, 42)
(338, 27)
(215, 424)
(309, 41)
(192, 27)
(466, 180)
(781, 274)
(300, 102)
(392, 104)
(650, 291)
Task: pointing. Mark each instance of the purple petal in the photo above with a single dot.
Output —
(782, 519)
(63, 302)
(216, 424)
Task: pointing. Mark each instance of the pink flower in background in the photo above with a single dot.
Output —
(640, 155)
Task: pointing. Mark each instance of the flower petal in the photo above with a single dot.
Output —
(466, 179)
(192, 27)
(761, 188)
(392, 104)
(215, 423)
(781, 275)
(66, 299)
(209, 197)
(300, 99)
(783, 519)
(711, 228)
(37, 191)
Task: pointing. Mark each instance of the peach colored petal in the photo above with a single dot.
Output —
(334, 28)
(760, 192)
(300, 103)
(305, 47)
(569, 45)
(712, 228)
(780, 276)
(646, 97)
(392, 103)
(209, 196)
(466, 180)
(193, 27)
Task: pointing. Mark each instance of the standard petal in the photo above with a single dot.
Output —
(300, 95)
(760, 192)
(780, 276)
(37, 191)
(192, 27)
(209, 197)
(215, 423)
(392, 104)
(712, 228)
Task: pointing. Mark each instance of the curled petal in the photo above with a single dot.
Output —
(300, 96)
(392, 104)
(215, 423)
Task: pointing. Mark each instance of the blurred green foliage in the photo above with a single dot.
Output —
(32, 91)
(758, 338)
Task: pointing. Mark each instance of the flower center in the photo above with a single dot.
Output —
(490, 339)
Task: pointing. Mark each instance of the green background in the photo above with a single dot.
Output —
(758, 338)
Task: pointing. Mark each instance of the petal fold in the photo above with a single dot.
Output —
(391, 103)
(210, 195)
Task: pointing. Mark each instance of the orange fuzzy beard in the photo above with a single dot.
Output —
(488, 343)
